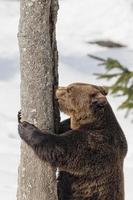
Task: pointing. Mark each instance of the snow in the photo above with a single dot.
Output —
(78, 23)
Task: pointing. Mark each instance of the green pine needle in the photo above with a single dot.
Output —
(122, 79)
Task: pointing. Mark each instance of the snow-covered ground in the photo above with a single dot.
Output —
(78, 22)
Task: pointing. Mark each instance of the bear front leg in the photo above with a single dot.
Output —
(44, 144)
(59, 150)
(30, 134)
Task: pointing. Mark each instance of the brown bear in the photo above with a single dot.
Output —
(90, 152)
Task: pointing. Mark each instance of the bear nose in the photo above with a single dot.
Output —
(60, 91)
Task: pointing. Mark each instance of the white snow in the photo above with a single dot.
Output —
(78, 22)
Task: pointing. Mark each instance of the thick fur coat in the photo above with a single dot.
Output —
(91, 149)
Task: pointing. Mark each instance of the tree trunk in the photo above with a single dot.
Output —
(39, 76)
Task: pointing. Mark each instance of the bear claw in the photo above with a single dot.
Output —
(19, 116)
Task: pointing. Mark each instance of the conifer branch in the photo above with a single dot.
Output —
(122, 79)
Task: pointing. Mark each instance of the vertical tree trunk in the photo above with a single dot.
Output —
(38, 57)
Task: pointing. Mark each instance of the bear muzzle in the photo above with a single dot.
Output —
(60, 92)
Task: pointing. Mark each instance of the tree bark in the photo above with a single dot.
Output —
(39, 76)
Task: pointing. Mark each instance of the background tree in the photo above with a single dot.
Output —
(38, 61)
(122, 81)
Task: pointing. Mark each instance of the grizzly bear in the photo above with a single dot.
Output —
(91, 149)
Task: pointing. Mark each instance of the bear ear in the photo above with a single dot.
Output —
(103, 90)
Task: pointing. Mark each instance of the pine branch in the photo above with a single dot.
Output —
(122, 81)
(97, 58)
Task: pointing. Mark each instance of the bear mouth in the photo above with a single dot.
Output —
(61, 105)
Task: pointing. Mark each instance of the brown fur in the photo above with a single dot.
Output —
(76, 101)
(91, 155)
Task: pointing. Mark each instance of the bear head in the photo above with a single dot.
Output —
(82, 102)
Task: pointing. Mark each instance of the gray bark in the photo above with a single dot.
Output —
(39, 75)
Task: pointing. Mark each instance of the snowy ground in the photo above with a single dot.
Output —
(78, 22)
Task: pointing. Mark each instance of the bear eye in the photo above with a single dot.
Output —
(69, 89)
(93, 95)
